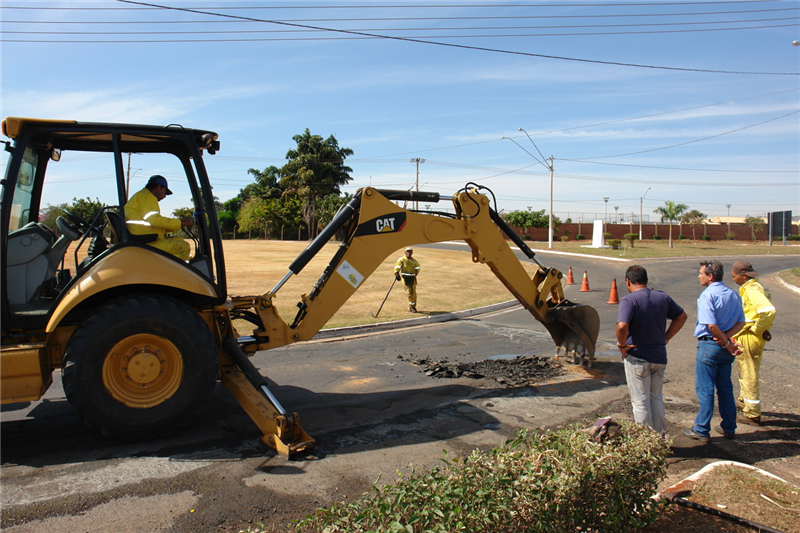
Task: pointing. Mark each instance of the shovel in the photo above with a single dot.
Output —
(384, 300)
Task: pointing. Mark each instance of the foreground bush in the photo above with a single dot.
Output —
(557, 481)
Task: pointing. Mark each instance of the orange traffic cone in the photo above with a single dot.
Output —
(585, 285)
(613, 298)
(570, 279)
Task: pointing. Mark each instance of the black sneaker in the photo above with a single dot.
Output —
(695, 436)
(724, 433)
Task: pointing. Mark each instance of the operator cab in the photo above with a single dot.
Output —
(63, 196)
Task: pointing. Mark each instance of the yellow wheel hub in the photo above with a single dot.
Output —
(143, 370)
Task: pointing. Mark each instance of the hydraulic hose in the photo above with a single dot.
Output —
(516, 239)
(722, 514)
(341, 218)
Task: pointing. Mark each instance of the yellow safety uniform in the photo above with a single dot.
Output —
(143, 217)
(759, 313)
(408, 268)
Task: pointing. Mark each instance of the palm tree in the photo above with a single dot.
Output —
(755, 224)
(315, 170)
(670, 211)
(693, 218)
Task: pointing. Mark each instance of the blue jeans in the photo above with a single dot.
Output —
(713, 370)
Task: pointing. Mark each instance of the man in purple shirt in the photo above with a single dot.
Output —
(642, 337)
(719, 317)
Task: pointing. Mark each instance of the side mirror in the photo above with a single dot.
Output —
(55, 155)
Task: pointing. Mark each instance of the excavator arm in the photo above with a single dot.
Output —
(372, 226)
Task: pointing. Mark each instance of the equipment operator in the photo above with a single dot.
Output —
(143, 217)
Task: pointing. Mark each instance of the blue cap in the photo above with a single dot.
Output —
(158, 179)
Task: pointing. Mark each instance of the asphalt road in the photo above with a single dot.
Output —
(374, 414)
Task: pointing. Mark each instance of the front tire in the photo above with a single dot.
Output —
(140, 366)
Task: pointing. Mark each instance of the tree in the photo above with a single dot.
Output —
(694, 218)
(670, 211)
(86, 207)
(755, 224)
(49, 214)
(315, 170)
(252, 216)
(267, 183)
(329, 206)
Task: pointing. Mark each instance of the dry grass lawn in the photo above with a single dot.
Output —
(448, 281)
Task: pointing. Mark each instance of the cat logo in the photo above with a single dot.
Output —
(384, 224)
(388, 223)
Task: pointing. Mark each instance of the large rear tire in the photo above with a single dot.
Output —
(140, 366)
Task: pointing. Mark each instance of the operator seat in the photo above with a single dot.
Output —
(120, 233)
(34, 254)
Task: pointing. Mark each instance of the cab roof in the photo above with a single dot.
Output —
(98, 136)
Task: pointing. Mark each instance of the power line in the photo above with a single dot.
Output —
(466, 47)
(453, 36)
(689, 142)
(408, 18)
(419, 6)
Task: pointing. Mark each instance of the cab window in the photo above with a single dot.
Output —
(23, 191)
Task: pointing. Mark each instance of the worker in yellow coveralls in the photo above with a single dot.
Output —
(407, 269)
(143, 217)
(759, 313)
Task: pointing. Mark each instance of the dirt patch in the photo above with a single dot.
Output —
(517, 371)
(737, 491)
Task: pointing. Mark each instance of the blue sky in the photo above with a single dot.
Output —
(695, 102)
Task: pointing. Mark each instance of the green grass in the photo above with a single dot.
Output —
(684, 248)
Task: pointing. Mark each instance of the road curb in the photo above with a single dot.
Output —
(787, 285)
(687, 483)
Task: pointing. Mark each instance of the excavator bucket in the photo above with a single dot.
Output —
(574, 329)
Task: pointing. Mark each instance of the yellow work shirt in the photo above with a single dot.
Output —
(407, 267)
(759, 313)
(143, 216)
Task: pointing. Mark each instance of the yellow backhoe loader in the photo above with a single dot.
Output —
(142, 337)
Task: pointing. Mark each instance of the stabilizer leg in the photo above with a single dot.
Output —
(281, 430)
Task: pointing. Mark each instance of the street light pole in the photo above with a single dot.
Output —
(548, 167)
(641, 200)
(616, 214)
(605, 217)
(729, 217)
(417, 160)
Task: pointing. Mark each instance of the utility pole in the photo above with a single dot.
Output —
(641, 200)
(417, 160)
(128, 186)
(550, 228)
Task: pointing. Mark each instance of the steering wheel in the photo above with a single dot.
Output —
(79, 221)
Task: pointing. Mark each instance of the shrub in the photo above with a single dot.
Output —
(656, 237)
(615, 244)
(730, 236)
(579, 237)
(556, 481)
(682, 237)
(630, 237)
(706, 237)
(564, 238)
(526, 237)
(793, 237)
(606, 235)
